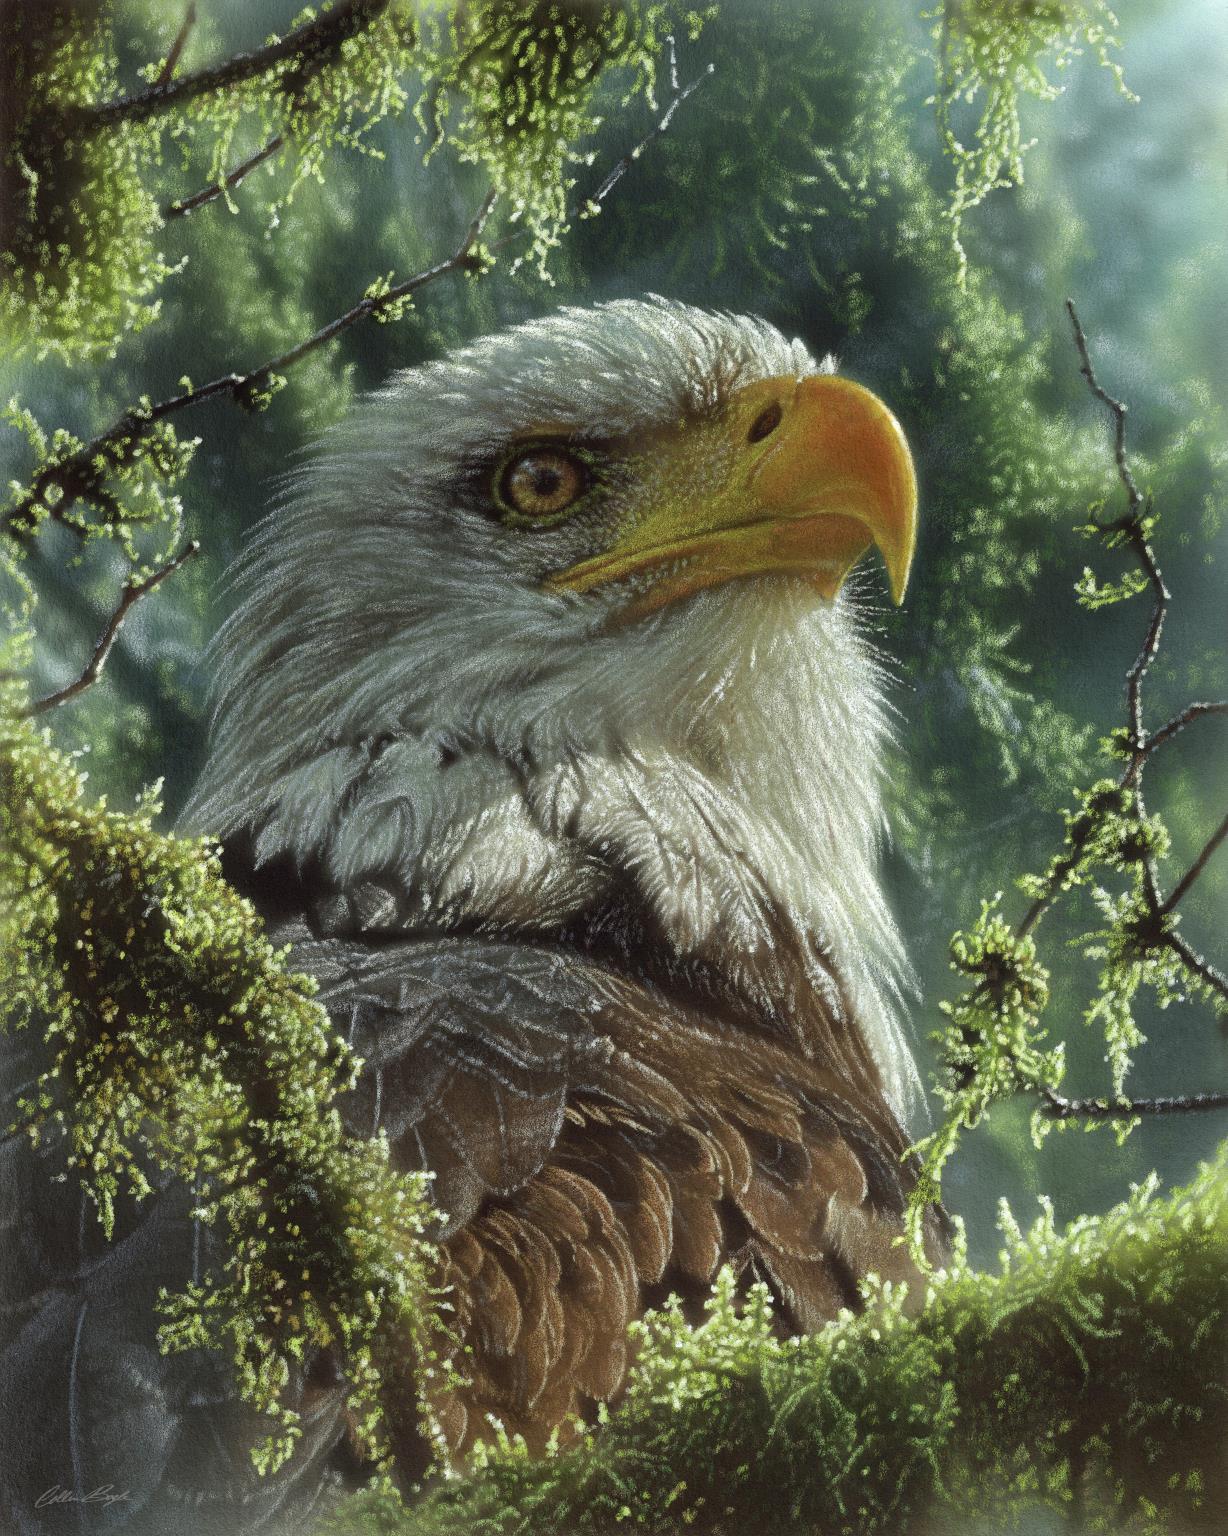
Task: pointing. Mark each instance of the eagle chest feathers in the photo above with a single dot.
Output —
(546, 733)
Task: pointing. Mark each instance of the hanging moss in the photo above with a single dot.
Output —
(990, 54)
(79, 260)
(519, 79)
(508, 84)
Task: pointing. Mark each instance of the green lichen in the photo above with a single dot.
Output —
(511, 85)
(991, 53)
(508, 85)
(174, 1043)
(80, 262)
(1085, 1377)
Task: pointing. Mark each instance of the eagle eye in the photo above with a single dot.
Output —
(541, 483)
(765, 423)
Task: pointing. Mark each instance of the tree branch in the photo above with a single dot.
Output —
(81, 473)
(678, 96)
(78, 474)
(1058, 1107)
(1132, 530)
(319, 39)
(1125, 474)
(181, 38)
(1201, 968)
(132, 593)
(1197, 867)
(620, 169)
(241, 171)
(1179, 722)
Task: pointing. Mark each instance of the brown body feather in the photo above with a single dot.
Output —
(653, 1128)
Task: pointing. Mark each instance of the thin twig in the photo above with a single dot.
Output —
(180, 43)
(461, 259)
(1132, 529)
(132, 593)
(616, 174)
(241, 171)
(1196, 868)
(1193, 961)
(1178, 723)
(77, 475)
(662, 127)
(317, 40)
(1125, 474)
(1057, 1107)
(81, 474)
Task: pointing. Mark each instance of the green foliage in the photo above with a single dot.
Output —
(522, 77)
(989, 1046)
(509, 85)
(176, 1044)
(1087, 1375)
(118, 487)
(79, 263)
(997, 50)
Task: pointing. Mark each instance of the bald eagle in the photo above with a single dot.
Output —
(544, 715)
(549, 734)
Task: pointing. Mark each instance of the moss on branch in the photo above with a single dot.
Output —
(173, 1043)
(1086, 1377)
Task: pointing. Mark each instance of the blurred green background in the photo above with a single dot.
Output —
(804, 182)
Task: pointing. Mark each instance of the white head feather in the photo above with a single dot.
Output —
(397, 696)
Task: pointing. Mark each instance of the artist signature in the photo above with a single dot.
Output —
(105, 1495)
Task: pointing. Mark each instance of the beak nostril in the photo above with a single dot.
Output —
(765, 423)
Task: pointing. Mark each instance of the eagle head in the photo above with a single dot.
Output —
(557, 625)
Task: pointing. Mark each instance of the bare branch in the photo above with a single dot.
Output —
(180, 43)
(316, 43)
(241, 172)
(1133, 494)
(1178, 723)
(1057, 1107)
(677, 98)
(1197, 867)
(132, 593)
(1201, 968)
(1132, 530)
(79, 474)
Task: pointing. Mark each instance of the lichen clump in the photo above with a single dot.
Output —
(990, 53)
(84, 179)
(171, 1043)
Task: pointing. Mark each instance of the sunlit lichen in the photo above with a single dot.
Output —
(168, 1040)
(990, 53)
(1086, 1372)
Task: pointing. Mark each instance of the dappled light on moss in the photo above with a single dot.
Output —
(1085, 1374)
(507, 86)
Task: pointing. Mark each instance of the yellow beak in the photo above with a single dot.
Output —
(807, 498)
